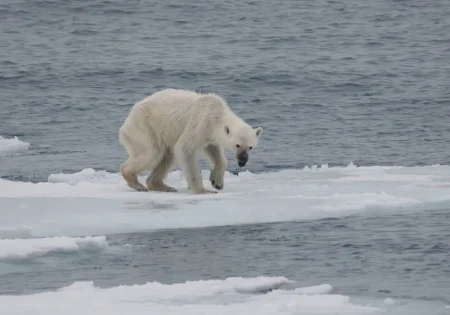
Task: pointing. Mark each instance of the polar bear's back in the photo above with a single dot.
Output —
(174, 102)
(166, 114)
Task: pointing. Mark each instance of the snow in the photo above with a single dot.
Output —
(194, 297)
(204, 297)
(73, 213)
(260, 284)
(16, 249)
(389, 301)
(94, 202)
(12, 146)
(318, 289)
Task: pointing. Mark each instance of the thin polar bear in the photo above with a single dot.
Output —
(172, 126)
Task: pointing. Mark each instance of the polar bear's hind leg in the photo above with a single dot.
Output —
(141, 158)
(155, 181)
(130, 170)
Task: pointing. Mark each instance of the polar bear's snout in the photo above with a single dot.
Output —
(242, 158)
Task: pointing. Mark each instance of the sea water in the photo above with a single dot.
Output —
(342, 209)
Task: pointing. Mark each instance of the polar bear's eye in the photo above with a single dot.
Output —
(238, 146)
(250, 148)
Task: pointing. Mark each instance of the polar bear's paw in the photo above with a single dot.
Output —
(160, 187)
(205, 191)
(138, 187)
(216, 179)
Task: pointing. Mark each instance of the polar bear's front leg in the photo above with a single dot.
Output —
(217, 157)
(187, 159)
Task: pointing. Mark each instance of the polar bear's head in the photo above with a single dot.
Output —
(241, 140)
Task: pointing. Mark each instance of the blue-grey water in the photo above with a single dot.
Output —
(382, 256)
(329, 81)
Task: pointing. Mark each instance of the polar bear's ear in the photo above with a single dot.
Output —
(259, 131)
(227, 130)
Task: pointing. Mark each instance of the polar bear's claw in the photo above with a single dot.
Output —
(160, 187)
(204, 191)
(139, 187)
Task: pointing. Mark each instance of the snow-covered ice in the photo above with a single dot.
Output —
(10, 146)
(16, 249)
(98, 203)
(204, 298)
(318, 289)
(74, 212)
(194, 297)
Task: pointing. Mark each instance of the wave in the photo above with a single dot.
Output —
(105, 204)
(19, 249)
(12, 146)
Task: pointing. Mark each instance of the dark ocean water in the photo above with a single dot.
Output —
(329, 81)
(381, 256)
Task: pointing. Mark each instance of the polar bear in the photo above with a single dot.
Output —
(173, 125)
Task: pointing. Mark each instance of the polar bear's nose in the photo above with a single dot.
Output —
(242, 159)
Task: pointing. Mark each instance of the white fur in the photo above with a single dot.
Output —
(172, 126)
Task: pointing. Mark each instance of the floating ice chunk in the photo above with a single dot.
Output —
(192, 297)
(16, 249)
(388, 301)
(261, 284)
(98, 202)
(318, 289)
(12, 146)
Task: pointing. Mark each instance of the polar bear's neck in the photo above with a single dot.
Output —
(225, 119)
(232, 120)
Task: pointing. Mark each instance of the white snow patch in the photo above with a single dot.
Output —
(17, 249)
(260, 284)
(98, 203)
(318, 289)
(388, 301)
(12, 146)
(88, 175)
(192, 297)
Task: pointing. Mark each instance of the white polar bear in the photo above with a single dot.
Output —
(172, 126)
